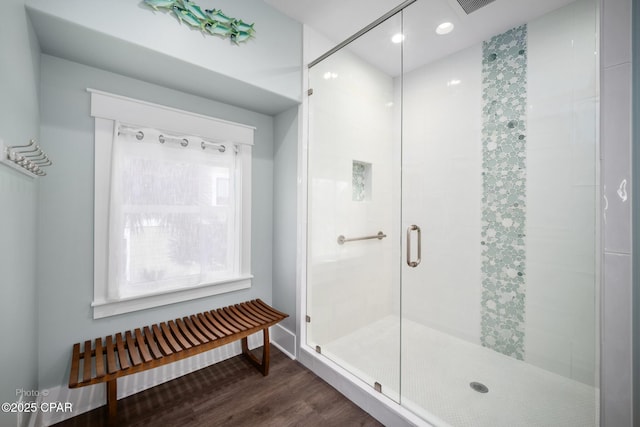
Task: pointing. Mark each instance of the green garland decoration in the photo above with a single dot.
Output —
(209, 21)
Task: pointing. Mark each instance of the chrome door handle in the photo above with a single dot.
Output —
(417, 261)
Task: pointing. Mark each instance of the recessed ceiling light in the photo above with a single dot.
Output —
(444, 28)
(398, 38)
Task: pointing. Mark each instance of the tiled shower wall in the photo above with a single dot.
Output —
(562, 264)
(617, 408)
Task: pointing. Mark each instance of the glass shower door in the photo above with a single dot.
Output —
(441, 204)
(354, 209)
(499, 272)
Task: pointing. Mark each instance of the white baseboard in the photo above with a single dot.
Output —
(85, 399)
(284, 340)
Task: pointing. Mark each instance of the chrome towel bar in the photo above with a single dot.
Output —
(342, 240)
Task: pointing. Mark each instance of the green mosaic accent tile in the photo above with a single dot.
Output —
(504, 98)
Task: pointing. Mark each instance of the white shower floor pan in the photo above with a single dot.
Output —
(438, 368)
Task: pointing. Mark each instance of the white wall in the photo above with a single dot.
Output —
(270, 62)
(19, 75)
(65, 203)
(285, 214)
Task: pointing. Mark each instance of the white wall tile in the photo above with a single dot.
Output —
(442, 192)
(616, 47)
(616, 137)
(561, 193)
(616, 149)
(583, 364)
(549, 351)
(616, 345)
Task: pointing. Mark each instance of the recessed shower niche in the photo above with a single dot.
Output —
(361, 181)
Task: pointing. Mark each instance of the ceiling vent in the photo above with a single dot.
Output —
(470, 6)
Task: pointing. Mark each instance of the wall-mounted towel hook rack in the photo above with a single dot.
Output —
(28, 159)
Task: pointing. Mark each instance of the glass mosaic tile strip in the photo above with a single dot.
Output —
(504, 100)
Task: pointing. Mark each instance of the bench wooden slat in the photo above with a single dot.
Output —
(176, 333)
(122, 353)
(267, 307)
(166, 333)
(166, 349)
(187, 333)
(258, 311)
(270, 315)
(263, 318)
(87, 362)
(255, 307)
(194, 330)
(134, 356)
(256, 317)
(249, 315)
(75, 366)
(111, 357)
(228, 328)
(198, 324)
(222, 317)
(253, 317)
(151, 342)
(142, 346)
(207, 320)
(231, 317)
(99, 359)
(242, 317)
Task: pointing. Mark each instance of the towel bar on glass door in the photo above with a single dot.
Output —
(342, 240)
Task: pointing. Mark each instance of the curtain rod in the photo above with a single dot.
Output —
(162, 138)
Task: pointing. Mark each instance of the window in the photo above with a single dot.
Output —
(172, 207)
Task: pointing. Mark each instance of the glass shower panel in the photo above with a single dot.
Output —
(499, 196)
(354, 208)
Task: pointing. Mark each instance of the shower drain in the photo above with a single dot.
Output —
(479, 387)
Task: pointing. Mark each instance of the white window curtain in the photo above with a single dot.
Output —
(174, 212)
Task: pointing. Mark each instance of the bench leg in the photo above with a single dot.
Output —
(112, 400)
(263, 366)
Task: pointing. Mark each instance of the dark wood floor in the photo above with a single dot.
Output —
(234, 393)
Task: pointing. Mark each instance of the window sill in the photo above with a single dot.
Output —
(112, 308)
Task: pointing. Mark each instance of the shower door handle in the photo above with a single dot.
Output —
(417, 261)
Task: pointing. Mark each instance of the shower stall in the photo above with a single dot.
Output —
(453, 211)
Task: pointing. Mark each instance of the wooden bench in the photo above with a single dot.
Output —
(152, 346)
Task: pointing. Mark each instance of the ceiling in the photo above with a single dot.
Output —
(339, 19)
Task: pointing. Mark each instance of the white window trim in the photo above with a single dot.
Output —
(108, 109)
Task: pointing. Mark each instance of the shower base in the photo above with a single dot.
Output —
(438, 369)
